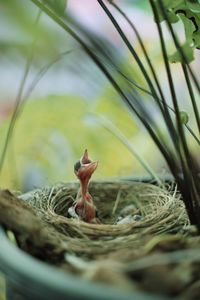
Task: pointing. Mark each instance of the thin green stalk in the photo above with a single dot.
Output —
(184, 67)
(164, 111)
(192, 133)
(181, 138)
(18, 99)
(153, 70)
(99, 47)
(192, 97)
(39, 76)
(169, 107)
(131, 49)
(131, 102)
(183, 155)
(162, 147)
(191, 171)
(142, 47)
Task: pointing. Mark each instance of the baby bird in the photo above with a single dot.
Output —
(84, 205)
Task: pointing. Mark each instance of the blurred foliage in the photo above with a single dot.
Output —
(51, 134)
(21, 30)
(188, 52)
(113, 110)
(53, 131)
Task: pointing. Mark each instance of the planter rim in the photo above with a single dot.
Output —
(36, 277)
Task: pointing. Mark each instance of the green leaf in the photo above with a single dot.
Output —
(188, 11)
(196, 38)
(170, 3)
(177, 57)
(189, 28)
(57, 5)
(194, 6)
(172, 16)
(170, 13)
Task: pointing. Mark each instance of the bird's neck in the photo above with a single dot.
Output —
(84, 188)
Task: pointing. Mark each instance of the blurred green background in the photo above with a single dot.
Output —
(72, 107)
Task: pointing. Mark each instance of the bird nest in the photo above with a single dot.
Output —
(137, 220)
(124, 208)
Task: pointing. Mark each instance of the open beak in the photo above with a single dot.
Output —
(85, 167)
(90, 168)
(86, 170)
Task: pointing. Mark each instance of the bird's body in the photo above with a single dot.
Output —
(86, 209)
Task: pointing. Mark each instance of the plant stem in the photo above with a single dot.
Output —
(131, 49)
(184, 154)
(39, 76)
(142, 47)
(192, 97)
(187, 181)
(169, 107)
(162, 147)
(163, 108)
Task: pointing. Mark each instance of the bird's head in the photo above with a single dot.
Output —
(85, 167)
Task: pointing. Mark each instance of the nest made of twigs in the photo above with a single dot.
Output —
(160, 211)
(107, 252)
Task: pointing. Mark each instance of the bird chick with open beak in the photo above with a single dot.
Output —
(84, 205)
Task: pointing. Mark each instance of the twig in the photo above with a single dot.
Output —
(31, 233)
(164, 259)
(116, 202)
